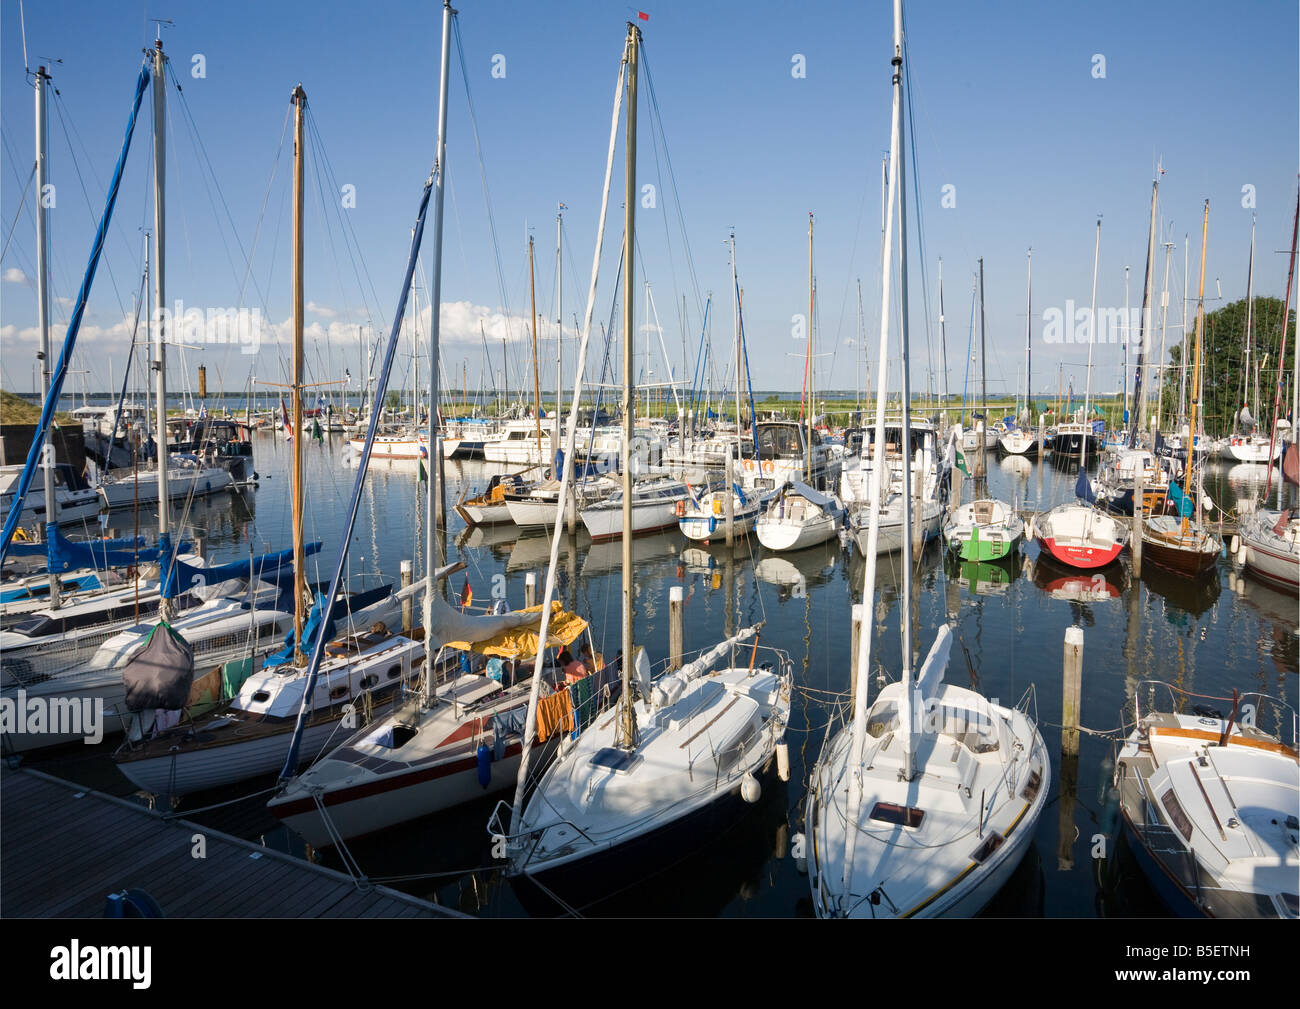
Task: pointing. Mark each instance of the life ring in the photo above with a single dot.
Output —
(749, 465)
(681, 509)
(767, 466)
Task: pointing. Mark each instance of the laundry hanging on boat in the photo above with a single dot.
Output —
(554, 714)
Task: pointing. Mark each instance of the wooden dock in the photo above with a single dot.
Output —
(64, 849)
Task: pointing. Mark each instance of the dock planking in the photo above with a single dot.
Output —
(65, 848)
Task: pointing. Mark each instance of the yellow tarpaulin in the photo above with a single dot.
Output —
(521, 643)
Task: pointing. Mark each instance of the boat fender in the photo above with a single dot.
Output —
(750, 789)
(797, 847)
(713, 524)
(499, 746)
(484, 765)
(783, 761)
(681, 509)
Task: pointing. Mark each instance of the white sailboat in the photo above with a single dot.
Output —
(799, 517)
(924, 805)
(615, 803)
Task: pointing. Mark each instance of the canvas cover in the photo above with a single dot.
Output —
(521, 642)
(160, 673)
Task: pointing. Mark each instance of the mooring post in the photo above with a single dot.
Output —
(676, 608)
(530, 589)
(1071, 692)
(408, 602)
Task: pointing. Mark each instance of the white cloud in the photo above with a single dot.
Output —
(321, 310)
(13, 275)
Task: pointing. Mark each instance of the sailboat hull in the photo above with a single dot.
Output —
(599, 876)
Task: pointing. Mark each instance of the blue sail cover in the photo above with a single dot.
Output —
(1181, 501)
(63, 555)
(1083, 488)
(816, 497)
(74, 325)
(182, 577)
(311, 630)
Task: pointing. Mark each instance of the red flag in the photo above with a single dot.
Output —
(643, 15)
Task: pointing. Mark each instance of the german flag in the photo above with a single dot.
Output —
(466, 595)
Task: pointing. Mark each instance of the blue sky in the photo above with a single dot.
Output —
(1008, 111)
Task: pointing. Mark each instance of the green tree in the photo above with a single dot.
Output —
(1225, 385)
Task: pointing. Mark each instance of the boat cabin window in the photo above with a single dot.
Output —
(891, 812)
(1176, 815)
(393, 672)
(615, 759)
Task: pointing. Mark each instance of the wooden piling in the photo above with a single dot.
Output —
(1135, 543)
(676, 614)
(530, 589)
(731, 504)
(1071, 694)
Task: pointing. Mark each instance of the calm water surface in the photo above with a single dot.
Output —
(1011, 619)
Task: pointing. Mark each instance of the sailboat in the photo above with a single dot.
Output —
(926, 802)
(1079, 534)
(1175, 541)
(1022, 439)
(617, 801)
(984, 530)
(250, 733)
(1209, 802)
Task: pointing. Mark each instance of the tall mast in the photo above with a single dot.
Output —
(1092, 342)
(1250, 300)
(1182, 355)
(43, 305)
(1196, 366)
(627, 735)
(159, 287)
(433, 485)
(1128, 335)
(909, 558)
(1164, 317)
(1281, 357)
(299, 99)
(559, 323)
(943, 336)
(537, 382)
(735, 301)
(807, 464)
(1029, 300)
(1144, 355)
(984, 374)
(880, 480)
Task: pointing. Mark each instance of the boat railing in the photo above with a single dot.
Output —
(498, 828)
(1268, 715)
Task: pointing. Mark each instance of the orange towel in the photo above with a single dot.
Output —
(554, 713)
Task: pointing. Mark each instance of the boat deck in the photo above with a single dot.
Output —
(66, 848)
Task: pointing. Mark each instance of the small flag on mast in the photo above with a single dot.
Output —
(643, 15)
(466, 595)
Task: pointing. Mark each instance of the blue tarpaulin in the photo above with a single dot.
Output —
(1181, 501)
(183, 577)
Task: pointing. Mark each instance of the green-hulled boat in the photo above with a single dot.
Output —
(985, 530)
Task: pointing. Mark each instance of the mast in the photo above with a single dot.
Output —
(1139, 384)
(537, 384)
(1164, 317)
(909, 558)
(984, 374)
(1029, 300)
(1281, 356)
(1196, 367)
(559, 322)
(1250, 300)
(1182, 356)
(858, 744)
(433, 485)
(160, 290)
(1092, 342)
(299, 99)
(735, 301)
(43, 309)
(943, 337)
(807, 455)
(627, 734)
(1128, 335)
